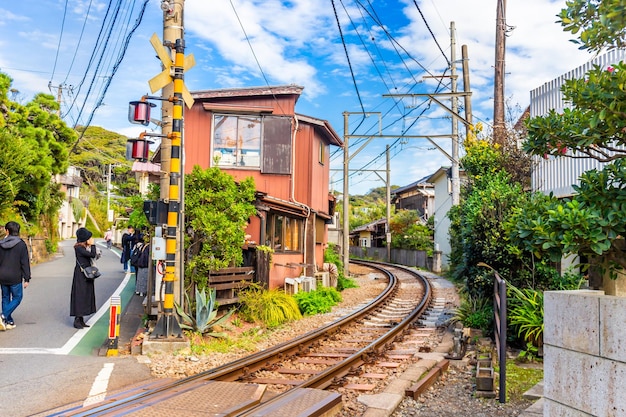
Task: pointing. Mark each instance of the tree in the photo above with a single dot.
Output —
(599, 24)
(217, 210)
(34, 145)
(407, 231)
(591, 223)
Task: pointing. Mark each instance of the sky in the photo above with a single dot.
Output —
(355, 56)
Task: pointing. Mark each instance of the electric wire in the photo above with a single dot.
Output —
(431, 32)
(56, 56)
(254, 54)
(80, 39)
(89, 63)
(114, 71)
(345, 48)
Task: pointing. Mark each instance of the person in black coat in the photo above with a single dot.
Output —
(83, 296)
(129, 239)
(14, 273)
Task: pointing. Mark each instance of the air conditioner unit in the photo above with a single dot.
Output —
(308, 284)
(291, 285)
(322, 279)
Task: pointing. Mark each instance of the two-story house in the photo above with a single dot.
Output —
(419, 196)
(256, 132)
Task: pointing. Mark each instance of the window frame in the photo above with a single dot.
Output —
(285, 226)
(237, 151)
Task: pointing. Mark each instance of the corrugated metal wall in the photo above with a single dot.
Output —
(557, 175)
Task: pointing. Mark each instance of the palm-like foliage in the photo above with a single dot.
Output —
(526, 313)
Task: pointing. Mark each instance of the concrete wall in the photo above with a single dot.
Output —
(584, 354)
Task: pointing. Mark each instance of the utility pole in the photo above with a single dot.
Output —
(466, 89)
(59, 94)
(499, 131)
(456, 183)
(346, 166)
(171, 165)
(346, 197)
(388, 188)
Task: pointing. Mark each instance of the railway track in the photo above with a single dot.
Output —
(315, 372)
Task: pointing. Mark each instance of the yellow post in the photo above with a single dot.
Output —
(167, 325)
(114, 325)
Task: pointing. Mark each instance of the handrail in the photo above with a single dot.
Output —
(499, 309)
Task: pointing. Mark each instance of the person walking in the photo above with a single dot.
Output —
(14, 273)
(83, 295)
(108, 237)
(142, 261)
(129, 239)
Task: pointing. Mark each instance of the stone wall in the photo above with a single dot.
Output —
(584, 354)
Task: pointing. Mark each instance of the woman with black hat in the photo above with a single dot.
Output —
(83, 297)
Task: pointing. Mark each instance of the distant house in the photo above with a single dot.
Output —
(371, 235)
(419, 196)
(255, 132)
(146, 173)
(442, 183)
(70, 185)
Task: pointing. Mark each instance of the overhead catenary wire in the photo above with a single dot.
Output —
(114, 70)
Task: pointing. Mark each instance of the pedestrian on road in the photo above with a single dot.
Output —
(83, 296)
(129, 239)
(142, 262)
(108, 237)
(14, 273)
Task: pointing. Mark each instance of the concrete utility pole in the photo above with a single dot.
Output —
(59, 94)
(456, 183)
(388, 195)
(466, 89)
(499, 130)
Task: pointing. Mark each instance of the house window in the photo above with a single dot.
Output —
(284, 233)
(237, 141)
(322, 152)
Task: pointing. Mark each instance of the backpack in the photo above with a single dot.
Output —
(135, 253)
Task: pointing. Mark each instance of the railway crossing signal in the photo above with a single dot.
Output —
(139, 112)
(168, 74)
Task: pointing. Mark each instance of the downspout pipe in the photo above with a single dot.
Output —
(292, 191)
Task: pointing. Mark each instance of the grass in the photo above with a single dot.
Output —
(519, 379)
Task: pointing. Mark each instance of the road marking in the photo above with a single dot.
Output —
(100, 385)
(78, 335)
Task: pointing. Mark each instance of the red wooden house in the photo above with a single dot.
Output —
(256, 132)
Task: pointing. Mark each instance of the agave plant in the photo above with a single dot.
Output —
(206, 314)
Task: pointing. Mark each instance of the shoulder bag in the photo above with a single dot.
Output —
(90, 272)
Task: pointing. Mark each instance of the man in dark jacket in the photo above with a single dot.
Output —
(128, 242)
(14, 273)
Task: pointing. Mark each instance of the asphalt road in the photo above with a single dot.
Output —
(45, 362)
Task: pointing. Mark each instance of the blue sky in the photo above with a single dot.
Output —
(393, 47)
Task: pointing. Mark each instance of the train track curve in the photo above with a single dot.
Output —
(340, 358)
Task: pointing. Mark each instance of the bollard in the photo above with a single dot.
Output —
(114, 325)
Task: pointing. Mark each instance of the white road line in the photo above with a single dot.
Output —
(76, 338)
(100, 385)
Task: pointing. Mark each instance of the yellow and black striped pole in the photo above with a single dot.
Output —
(167, 325)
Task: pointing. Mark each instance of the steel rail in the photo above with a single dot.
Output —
(243, 367)
(326, 377)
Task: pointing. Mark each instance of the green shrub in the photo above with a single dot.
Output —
(271, 307)
(319, 301)
(476, 313)
(343, 283)
(526, 314)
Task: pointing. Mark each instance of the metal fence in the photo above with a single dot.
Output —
(416, 258)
